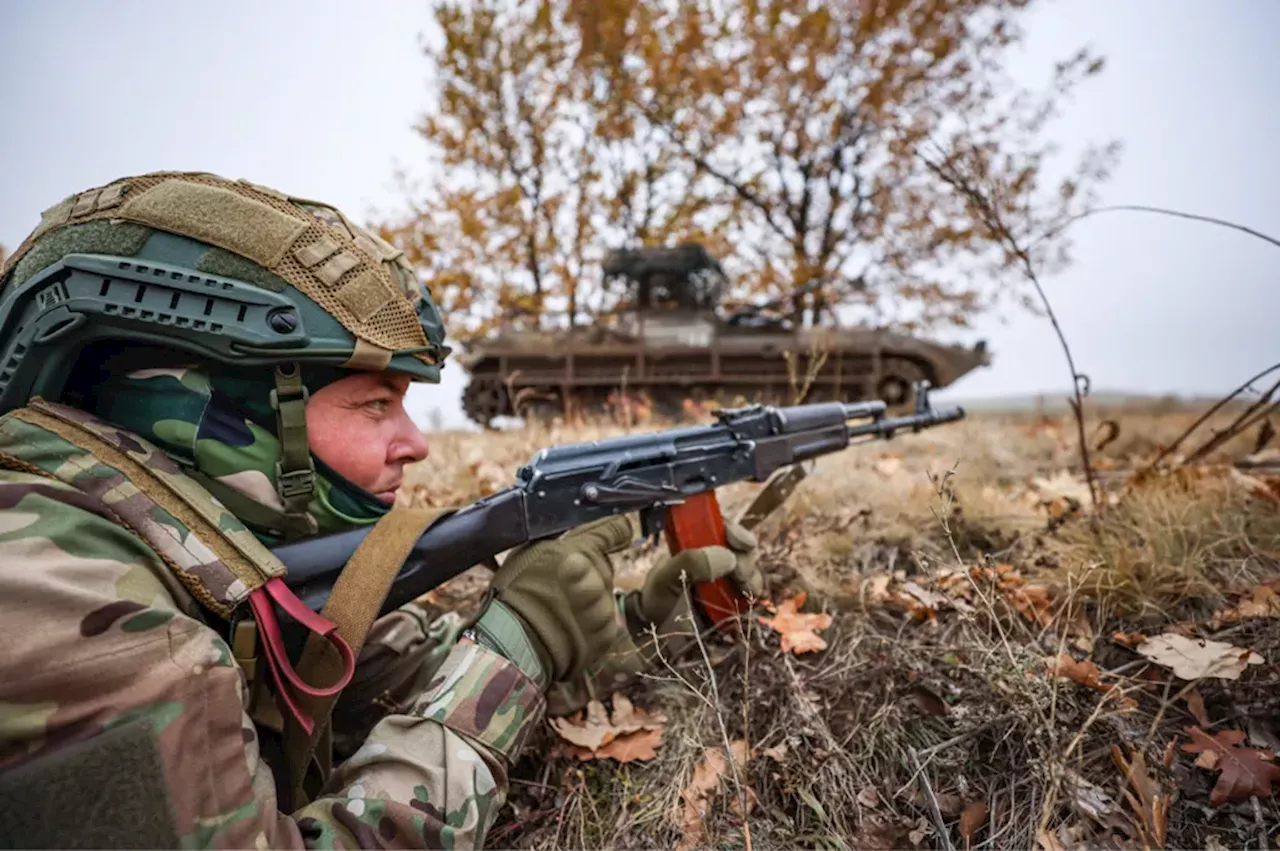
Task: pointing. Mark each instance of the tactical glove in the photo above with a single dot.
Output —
(551, 605)
(663, 589)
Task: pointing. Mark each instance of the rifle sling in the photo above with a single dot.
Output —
(353, 605)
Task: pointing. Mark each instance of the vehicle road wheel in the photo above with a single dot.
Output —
(485, 399)
(894, 390)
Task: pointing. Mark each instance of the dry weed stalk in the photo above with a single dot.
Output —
(819, 351)
(1203, 418)
(1259, 410)
(736, 771)
(992, 218)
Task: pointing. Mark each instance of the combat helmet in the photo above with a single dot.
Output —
(228, 272)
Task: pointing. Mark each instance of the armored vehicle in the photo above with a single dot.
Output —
(672, 343)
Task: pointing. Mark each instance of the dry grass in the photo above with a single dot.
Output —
(884, 738)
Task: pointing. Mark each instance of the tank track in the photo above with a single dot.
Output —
(486, 397)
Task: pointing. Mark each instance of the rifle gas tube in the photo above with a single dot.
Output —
(668, 477)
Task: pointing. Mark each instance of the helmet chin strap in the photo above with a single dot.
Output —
(295, 471)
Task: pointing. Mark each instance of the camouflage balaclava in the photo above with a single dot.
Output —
(221, 427)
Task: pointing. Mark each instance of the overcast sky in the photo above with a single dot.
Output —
(317, 97)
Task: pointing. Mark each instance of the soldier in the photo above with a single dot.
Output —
(191, 370)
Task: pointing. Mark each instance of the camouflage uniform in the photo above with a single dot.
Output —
(101, 632)
(132, 500)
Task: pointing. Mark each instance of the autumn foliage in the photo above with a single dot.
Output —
(807, 144)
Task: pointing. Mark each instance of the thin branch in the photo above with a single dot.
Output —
(1141, 208)
(1242, 423)
(1169, 450)
(995, 222)
(704, 165)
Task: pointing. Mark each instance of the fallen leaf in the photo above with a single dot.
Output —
(869, 797)
(1246, 772)
(1085, 673)
(1264, 602)
(1195, 705)
(639, 745)
(927, 702)
(591, 731)
(798, 629)
(878, 833)
(1192, 659)
(1032, 602)
(777, 753)
(735, 801)
(949, 803)
(627, 717)
(1267, 486)
(1062, 493)
(1128, 639)
(877, 587)
(630, 734)
(1147, 798)
(697, 796)
(1092, 800)
(972, 819)
(922, 830)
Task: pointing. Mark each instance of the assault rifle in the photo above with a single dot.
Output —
(669, 477)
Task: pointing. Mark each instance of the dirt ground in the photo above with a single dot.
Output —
(1002, 665)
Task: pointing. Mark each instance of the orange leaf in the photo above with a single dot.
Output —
(697, 797)
(1128, 639)
(640, 745)
(630, 734)
(971, 819)
(1085, 673)
(1148, 799)
(1195, 704)
(1246, 772)
(798, 629)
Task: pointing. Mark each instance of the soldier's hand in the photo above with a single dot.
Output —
(663, 589)
(561, 595)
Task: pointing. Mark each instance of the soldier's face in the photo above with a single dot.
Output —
(358, 426)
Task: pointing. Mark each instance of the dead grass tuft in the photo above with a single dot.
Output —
(962, 570)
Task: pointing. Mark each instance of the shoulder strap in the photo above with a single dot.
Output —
(353, 605)
(251, 565)
(241, 568)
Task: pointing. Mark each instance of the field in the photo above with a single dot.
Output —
(1002, 667)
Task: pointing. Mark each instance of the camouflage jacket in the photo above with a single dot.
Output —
(97, 633)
